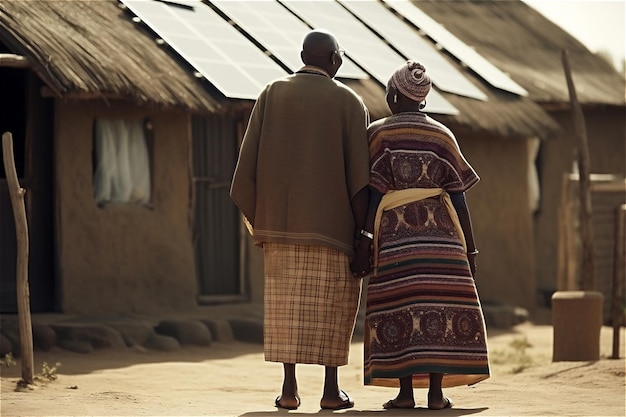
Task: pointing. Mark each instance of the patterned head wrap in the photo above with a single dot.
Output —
(412, 81)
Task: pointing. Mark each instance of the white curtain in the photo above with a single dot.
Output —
(122, 167)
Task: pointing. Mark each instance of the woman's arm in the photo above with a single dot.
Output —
(460, 205)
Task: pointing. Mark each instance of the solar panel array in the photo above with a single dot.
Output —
(456, 47)
(216, 49)
(278, 30)
(365, 48)
(406, 40)
(239, 68)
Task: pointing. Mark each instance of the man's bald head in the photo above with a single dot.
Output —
(320, 49)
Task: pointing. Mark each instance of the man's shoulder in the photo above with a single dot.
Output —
(346, 89)
(279, 81)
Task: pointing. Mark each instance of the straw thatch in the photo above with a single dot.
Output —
(92, 49)
(502, 115)
(523, 43)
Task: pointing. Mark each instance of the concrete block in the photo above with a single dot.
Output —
(576, 321)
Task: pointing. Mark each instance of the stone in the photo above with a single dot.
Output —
(220, 330)
(503, 316)
(5, 346)
(134, 333)
(162, 343)
(187, 332)
(75, 346)
(98, 336)
(44, 337)
(13, 335)
(247, 330)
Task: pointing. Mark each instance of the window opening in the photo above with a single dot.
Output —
(121, 162)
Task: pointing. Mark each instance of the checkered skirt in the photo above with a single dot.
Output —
(311, 302)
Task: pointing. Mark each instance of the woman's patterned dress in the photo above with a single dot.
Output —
(423, 313)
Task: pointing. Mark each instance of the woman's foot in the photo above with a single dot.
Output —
(404, 399)
(436, 399)
(289, 403)
(439, 403)
(399, 403)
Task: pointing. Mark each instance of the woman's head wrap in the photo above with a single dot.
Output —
(412, 81)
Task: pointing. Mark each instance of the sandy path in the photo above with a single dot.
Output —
(233, 380)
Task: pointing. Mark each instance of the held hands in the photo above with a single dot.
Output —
(361, 265)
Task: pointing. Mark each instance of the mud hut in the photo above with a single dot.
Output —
(77, 70)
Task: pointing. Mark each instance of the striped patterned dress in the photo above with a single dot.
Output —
(423, 314)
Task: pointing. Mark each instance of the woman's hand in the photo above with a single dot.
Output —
(361, 265)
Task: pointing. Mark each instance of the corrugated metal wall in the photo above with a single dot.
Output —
(216, 218)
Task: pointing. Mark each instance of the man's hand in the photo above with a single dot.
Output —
(361, 265)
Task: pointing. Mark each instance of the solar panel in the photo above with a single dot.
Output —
(406, 40)
(365, 48)
(217, 50)
(278, 30)
(456, 47)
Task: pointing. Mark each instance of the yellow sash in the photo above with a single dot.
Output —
(399, 198)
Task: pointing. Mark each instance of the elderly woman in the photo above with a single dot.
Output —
(424, 325)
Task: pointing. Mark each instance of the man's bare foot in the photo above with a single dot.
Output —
(338, 402)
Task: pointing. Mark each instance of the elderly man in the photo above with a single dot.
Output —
(301, 184)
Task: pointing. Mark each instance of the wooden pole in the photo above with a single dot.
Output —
(21, 230)
(588, 281)
(619, 272)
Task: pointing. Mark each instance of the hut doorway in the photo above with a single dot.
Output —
(216, 218)
(29, 118)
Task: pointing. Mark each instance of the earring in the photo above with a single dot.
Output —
(395, 98)
(422, 105)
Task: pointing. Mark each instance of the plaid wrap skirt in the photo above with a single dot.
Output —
(311, 302)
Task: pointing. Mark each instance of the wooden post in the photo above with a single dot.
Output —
(619, 272)
(588, 282)
(21, 230)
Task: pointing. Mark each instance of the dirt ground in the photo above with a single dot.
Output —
(233, 380)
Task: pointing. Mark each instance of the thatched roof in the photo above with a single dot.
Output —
(503, 115)
(92, 49)
(526, 45)
(523, 43)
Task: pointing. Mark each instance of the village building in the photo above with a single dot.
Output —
(126, 151)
